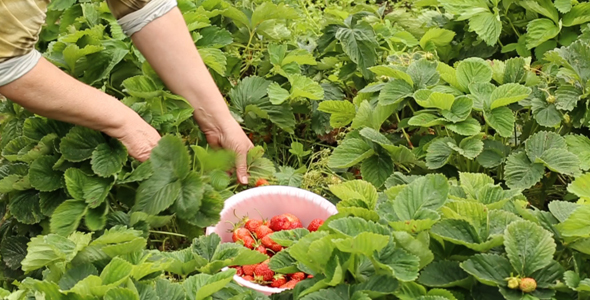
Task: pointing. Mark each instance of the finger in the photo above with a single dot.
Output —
(242, 168)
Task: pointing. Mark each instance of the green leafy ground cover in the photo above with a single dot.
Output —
(451, 134)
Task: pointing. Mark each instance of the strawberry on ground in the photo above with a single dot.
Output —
(298, 276)
(261, 182)
(243, 236)
(249, 269)
(262, 231)
(290, 284)
(315, 224)
(270, 244)
(278, 280)
(263, 273)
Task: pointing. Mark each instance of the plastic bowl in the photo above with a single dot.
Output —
(266, 202)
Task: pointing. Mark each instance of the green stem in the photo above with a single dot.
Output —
(168, 233)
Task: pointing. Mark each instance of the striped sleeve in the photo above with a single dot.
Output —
(133, 15)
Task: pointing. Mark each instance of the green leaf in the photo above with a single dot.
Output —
(540, 31)
(79, 143)
(564, 6)
(542, 141)
(580, 146)
(501, 119)
(443, 274)
(93, 190)
(189, 200)
(468, 127)
(24, 206)
(76, 274)
(580, 186)
(120, 294)
(96, 218)
(67, 216)
(141, 86)
(473, 182)
(359, 44)
(437, 37)
(559, 160)
(286, 238)
(576, 225)
(116, 272)
(108, 158)
(529, 247)
(395, 91)
(487, 26)
(561, 210)
(376, 169)
(438, 100)
(579, 14)
(459, 111)
(351, 152)
(42, 175)
(277, 94)
(473, 70)
(14, 250)
(507, 94)
(392, 72)
(426, 120)
(426, 193)
(423, 73)
(545, 114)
(353, 226)
(490, 269)
(439, 152)
(566, 97)
(543, 7)
(342, 112)
(403, 265)
(365, 243)
(214, 59)
(356, 190)
(521, 173)
(470, 147)
(302, 86)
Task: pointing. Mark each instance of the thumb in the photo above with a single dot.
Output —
(242, 168)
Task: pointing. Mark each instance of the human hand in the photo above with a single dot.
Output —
(138, 137)
(233, 138)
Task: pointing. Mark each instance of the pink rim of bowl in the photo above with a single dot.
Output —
(266, 202)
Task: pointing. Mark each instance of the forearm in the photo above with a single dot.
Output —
(167, 45)
(47, 91)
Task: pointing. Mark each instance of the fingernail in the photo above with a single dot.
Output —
(244, 179)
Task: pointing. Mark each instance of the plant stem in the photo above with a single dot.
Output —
(168, 233)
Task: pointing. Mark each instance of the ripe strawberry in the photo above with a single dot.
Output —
(290, 284)
(249, 278)
(262, 231)
(249, 269)
(263, 272)
(252, 224)
(239, 270)
(528, 285)
(279, 222)
(261, 182)
(261, 249)
(315, 224)
(309, 276)
(298, 276)
(243, 236)
(278, 281)
(270, 244)
(295, 222)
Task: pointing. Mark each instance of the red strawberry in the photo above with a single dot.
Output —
(298, 276)
(249, 269)
(262, 231)
(243, 236)
(261, 249)
(309, 276)
(249, 278)
(252, 224)
(261, 182)
(295, 222)
(280, 222)
(315, 224)
(270, 244)
(290, 284)
(239, 270)
(263, 272)
(278, 281)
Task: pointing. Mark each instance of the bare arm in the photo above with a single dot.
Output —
(167, 45)
(47, 91)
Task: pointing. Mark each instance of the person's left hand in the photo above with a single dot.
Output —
(231, 137)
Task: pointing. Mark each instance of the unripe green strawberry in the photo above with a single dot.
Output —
(528, 285)
(513, 282)
(551, 99)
